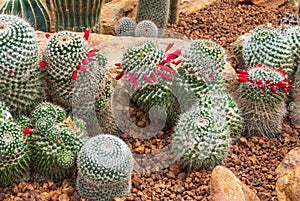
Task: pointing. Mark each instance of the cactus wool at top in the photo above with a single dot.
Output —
(20, 85)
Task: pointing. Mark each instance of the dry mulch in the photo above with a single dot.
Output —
(252, 160)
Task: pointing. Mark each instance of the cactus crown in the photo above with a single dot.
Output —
(125, 27)
(148, 61)
(146, 28)
(105, 159)
(263, 84)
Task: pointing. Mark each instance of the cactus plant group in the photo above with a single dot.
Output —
(105, 165)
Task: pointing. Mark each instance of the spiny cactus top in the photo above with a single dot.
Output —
(34, 10)
(14, 153)
(20, 85)
(202, 137)
(147, 63)
(125, 27)
(146, 28)
(264, 85)
(269, 47)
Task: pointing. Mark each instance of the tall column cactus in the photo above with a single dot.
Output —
(35, 11)
(154, 10)
(20, 83)
(173, 16)
(77, 15)
(261, 100)
(105, 164)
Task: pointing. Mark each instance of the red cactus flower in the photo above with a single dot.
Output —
(120, 75)
(86, 34)
(74, 75)
(27, 131)
(43, 64)
(82, 68)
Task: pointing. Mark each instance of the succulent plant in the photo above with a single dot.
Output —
(146, 28)
(55, 141)
(14, 152)
(76, 15)
(20, 83)
(262, 100)
(125, 27)
(173, 16)
(105, 165)
(156, 11)
(202, 137)
(35, 11)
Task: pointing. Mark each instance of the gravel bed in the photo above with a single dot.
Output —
(252, 160)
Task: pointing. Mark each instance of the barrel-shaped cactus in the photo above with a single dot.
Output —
(20, 84)
(156, 11)
(55, 141)
(35, 11)
(125, 27)
(14, 151)
(146, 28)
(105, 165)
(261, 100)
(202, 137)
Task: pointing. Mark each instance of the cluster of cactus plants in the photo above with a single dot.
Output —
(105, 164)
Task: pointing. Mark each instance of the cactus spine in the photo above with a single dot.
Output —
(105, 165)
(156, 11)
(35, 11)
(20, 84)
(77, 15)
(261, 100)
(14, 152)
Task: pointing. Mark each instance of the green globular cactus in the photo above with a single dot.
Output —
(156, 11)
(55, 142)
(261, 100)
(146, 28)
(77, 15)
(35, 11)
(125, 27)
(105, 165)
(14, 151)
(150, 69)
(269, 47)
(20, 83)
(202, 138)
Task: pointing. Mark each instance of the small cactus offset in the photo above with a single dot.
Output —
(55, 141)
(125, 27)
(105, 165)
(14, 151)
(20, 83)
(146, 28)
(156, 11)
(202, 138)
(262, 100)
(77, 15)
(35, 11)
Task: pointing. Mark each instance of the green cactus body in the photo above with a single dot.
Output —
(261, 100)
(105, 165)
(125, 27)
(202, 138)
(14, 152)
(148, 68)
(173, 16)
(156, 11)
(146, 28)
(35, 11)
(269, 47)
(55, 146)
(20, 84)
(77, 15)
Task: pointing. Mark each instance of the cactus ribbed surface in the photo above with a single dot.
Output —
(55, 142)
(14, 152)
(202, 137)
(35, 11)
(146, 28)
(174, 11)
(105, 165)
(154, 10)
(77, 15)
(261, 100)
(125, 27)
(20, 84)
